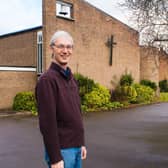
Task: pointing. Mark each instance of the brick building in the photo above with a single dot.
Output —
(18, 53)
(92, 30)
(104, 47)
(153, 64)
(163, 68)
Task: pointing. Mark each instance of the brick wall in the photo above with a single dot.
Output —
(154, 64)
(91, 28)
(13, 82)
(149, 64)
(19, 49)
(163, 68)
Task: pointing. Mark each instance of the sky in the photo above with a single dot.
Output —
(16, 15)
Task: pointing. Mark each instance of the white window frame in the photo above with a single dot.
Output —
(64, 7)
(39, 52)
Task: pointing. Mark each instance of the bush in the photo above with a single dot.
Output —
(164, 97)
(149, 83)
(114, 104)
(126, 80)
(25, 101)
(144, 93)
(163, 85)
(124, 93)
(98, 99)
(86, 84)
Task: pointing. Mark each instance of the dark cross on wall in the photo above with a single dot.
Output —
(110, 43)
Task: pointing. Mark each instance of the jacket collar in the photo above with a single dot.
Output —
(67, 74)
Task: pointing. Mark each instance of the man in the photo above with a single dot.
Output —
(59, 111)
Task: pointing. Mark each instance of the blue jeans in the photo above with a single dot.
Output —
(71, 158)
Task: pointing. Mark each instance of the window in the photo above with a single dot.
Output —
(39, 52)
(64, 9)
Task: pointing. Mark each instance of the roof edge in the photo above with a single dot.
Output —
(109, 15)
(21, 31)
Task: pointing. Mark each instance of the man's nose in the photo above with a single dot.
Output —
(65, 50)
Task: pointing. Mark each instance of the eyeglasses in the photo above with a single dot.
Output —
(61, 46)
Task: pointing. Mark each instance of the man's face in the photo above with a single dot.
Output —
(62, 51)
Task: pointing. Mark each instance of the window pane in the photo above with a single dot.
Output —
(64, 9)
(39, 52)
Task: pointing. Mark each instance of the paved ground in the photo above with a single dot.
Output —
(129, 138)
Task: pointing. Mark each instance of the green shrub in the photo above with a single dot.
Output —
(124, 93)
(163, 85)
(86, 84)
(25, 101)
(98, 99)
(149, 83)
(126, 80)
(112, 105)
(144, 93)
(164, 97)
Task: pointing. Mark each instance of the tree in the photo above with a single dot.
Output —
(151, 17)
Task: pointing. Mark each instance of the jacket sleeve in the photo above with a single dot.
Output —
(46, 95)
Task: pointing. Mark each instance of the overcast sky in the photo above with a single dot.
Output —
(16, 15)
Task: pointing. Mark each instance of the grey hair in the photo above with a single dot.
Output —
(58, 34)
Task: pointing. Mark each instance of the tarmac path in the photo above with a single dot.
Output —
(126, 138)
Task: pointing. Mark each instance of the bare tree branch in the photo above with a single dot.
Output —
(151, 18)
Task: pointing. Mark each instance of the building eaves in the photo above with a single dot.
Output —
(21, 31)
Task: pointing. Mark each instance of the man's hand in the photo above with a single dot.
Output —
(83, 152)
(58, 165)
